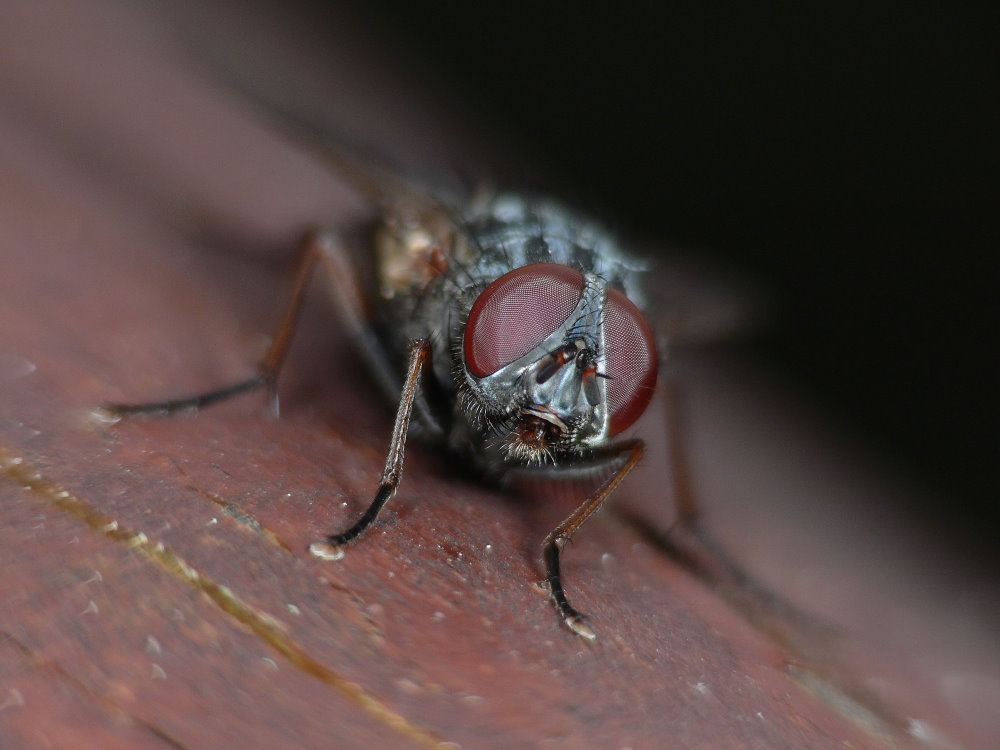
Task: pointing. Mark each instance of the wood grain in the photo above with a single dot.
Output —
(158, 591)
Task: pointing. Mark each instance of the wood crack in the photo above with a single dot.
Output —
(265, 626)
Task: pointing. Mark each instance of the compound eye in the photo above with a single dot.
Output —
(517, 312)
(632, 362)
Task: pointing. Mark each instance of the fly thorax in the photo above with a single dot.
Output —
(414, 245)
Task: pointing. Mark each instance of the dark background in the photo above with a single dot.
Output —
(844, 154)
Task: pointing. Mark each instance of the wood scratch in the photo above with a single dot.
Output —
(229, 509)
(244, 519)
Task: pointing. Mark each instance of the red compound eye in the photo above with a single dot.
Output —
(522, 308)
(517, 312)
(632, 360)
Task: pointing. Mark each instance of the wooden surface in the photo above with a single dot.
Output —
(157, 589)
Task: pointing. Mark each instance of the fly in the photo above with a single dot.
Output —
(518, 326)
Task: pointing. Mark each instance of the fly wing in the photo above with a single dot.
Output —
(387, 178)
(372, 173)
(696, 302)
(693, 301)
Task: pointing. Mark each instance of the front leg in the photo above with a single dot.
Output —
(627, 455)
(332, 547)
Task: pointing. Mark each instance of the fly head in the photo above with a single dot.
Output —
(555, 362)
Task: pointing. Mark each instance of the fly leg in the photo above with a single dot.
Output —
(629, 453)
(332, 547)
(688, 514)
(352, 309)
(687, 540)
(318, 246)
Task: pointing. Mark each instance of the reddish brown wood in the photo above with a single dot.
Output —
(157, 588)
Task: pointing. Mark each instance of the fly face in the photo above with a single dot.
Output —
(555, 363)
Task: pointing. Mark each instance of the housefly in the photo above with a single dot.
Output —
(518, 327)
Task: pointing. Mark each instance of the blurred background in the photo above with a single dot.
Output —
(843, 155)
